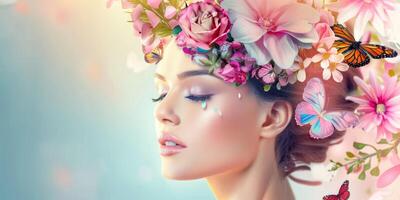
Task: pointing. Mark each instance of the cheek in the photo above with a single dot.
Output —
(221, 142)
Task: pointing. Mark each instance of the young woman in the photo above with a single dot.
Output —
(240, 82)
(243, 140)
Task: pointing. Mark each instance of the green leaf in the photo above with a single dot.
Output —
(350, 169)
(395, 136)
(383, 141)
(362, 154)
(176, 3)
(367, 166)
(362, 175)
(358, 145)
(350, 155)
(375, 171)
(267, 88)
(162, 30)
(385, 152)
(134, 1)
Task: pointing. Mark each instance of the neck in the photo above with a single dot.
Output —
(260, 180)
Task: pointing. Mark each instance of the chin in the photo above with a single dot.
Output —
(174, 172)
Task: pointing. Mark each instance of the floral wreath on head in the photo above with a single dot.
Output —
(276, 41)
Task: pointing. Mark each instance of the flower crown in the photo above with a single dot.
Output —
(276, 41)
(273, 41)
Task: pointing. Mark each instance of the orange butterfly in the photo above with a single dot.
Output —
(355, 53)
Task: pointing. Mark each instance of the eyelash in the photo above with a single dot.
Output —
(195, 98)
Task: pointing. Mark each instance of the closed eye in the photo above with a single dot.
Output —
(161, 97)
(195, 98)
(199, 97)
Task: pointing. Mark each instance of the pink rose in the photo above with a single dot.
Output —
(232, 73)
(204, 23)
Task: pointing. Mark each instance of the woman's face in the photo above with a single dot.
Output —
(218, 122)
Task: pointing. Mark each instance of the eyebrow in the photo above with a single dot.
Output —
(188, 74)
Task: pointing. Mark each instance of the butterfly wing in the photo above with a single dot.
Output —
(344, 193)
(356, 58)
(342, 46)
(342, 120)
(305, 114)
(314, 94)
(309, 111)
(378, 51)
(331, 197)
(321, 129)
(342, 32)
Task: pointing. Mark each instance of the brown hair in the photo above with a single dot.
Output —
(294, 148)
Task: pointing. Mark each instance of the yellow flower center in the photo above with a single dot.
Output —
(380, 108)
(332, 66)
(326, 56)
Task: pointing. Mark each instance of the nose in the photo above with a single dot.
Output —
(164, 112)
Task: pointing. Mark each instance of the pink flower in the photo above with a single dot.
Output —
(323, 27)
(391, 174)
(204, 23)
(233, 73)
(379, 106)
(375, 11)
(272, 29)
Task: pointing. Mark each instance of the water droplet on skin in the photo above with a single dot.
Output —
(204, 105)
(239, 95)
(218, 112)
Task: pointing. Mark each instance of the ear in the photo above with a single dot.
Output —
(276, 119)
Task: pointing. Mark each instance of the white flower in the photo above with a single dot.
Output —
(324, 56)
(300, 67)
(334, 68)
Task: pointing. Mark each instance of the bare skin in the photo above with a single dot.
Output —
(230, 142)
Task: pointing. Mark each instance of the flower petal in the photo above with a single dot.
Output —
(361, 23)
(239, 9)
(388, 176)
(296, 18)
(326, 74)
(258, 51)
(301, 75)
(154, 3)
(282, 50)
(349, 11)
(153, 18)
(337, 76)
(245, 31)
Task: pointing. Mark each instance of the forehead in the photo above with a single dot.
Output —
(175, 61)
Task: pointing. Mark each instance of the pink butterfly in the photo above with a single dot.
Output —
(311, 111)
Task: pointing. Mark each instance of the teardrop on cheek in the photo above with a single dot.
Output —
(216, 110)
(204, 105)
(239, 95)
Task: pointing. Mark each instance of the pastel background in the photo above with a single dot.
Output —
(76, 122)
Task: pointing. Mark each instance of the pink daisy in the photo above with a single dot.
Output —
(375, 11)
(379, 106)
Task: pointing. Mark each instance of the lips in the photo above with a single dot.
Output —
(170, 138)
(168, 150)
